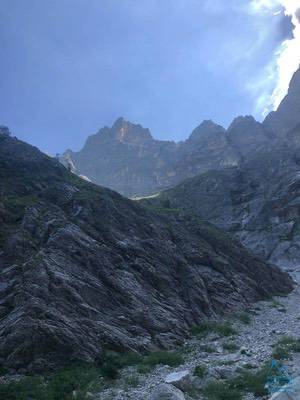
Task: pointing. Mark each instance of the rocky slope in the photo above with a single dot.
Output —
(268, 322)
(81, 266)
(257, 201)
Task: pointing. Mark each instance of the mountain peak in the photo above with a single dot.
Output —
(4, 130)
(126, 131)
(118, 122)
(242, 120)
(207, 127)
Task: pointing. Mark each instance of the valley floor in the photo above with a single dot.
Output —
(270, 320)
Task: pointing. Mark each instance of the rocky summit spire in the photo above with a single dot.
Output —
(125, 131)
(207, 127)
(4, 130)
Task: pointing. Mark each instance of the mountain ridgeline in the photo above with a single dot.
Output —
(126, 158)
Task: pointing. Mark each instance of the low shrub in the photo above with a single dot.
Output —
(132, 380)
(230, 346)
(244, 318)
(221, 391)
(200, 370)
(163, 357)
(253, 382)
(55, 386)
(207, 349)
(205, 328)
(285, 346)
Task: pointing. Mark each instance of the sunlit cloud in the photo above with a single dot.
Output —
(286, 58)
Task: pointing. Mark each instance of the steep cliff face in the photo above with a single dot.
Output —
(287, 116)
(208, 147)
(258, 201)
(81, 266)
(126, 158)
(247, 136)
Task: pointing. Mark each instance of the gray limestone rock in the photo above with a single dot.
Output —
(180, 379)
(83, 268)
(167, 392)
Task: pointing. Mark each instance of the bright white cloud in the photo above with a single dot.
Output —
(287, 57)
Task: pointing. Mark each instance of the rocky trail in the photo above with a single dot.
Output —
(269, 321)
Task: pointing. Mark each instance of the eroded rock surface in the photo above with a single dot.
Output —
(258, 201)
(81, 266)
(167, 392)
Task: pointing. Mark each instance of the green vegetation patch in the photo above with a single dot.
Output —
(164, 210)
(132, 380)
(205, 328)
(285, 346)
(200, 370)
(230, 346)
(114, 362)
(172, 359)
(221, 391)
(56, 386)
(253, 382)
(235, 388)
(15, 206)
(244, 317)
(82, 378)
(207, 348)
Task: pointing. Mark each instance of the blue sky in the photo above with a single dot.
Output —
(69, 67)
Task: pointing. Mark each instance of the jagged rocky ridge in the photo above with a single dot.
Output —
(127, 159)
(258, 200)
(81, 266)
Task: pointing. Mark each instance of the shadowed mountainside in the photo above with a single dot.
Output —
(81, 267)
(258, 202)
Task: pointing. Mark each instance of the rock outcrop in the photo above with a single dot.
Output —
(258, 201)
(166, 392)
(125, 158)
(82, 267)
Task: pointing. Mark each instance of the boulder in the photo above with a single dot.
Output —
(167, 392)
(224, 372)
(180, 379)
